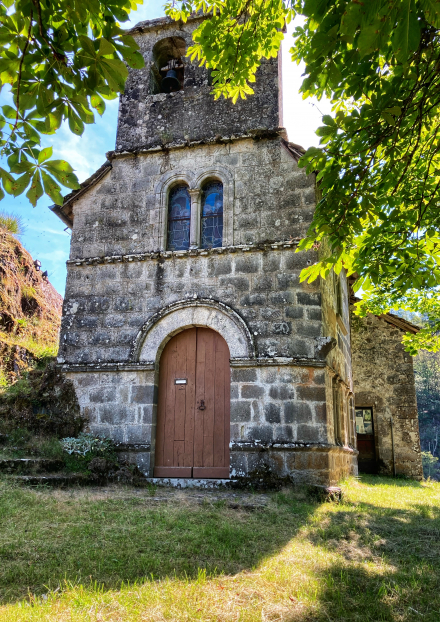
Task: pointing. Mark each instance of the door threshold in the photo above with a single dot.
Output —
(189, 482)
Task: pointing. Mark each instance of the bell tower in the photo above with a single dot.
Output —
(169, 103)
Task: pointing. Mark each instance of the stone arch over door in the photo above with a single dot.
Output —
(174, 318)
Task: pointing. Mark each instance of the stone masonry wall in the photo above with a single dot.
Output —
(108, 300)
(278, 419)
(384, 380)
(107, 305)
(147, 120)
(120, 275)
(336, 324)
(267, 197)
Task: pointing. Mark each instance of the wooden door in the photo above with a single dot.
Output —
(193, 419)
(365, 440)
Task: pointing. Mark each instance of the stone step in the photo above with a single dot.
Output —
(55, 480)
(30, 466)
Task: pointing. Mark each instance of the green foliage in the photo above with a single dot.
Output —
(43, 402)
(11, 222)
(234, 40)
(379, 160)
(427, 379)
(426, 303)
(78, 452)
(61, 60)
(88, 444)
(21, 443)
(429, 464)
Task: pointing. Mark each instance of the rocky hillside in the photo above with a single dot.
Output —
(30, 311)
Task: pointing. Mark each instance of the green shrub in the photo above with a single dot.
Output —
(42, 401)
(79, 451)
(86, 443)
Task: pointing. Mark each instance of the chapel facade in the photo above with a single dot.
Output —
(186, 331)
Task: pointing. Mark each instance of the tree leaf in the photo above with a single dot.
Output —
(9, 112)
(105, 48)
(432, 11)
(407, 34)
(115, 73)
(60, 165)
(132, 57)
(75, 124)
(35, 191)
(98, 103)
(45, 154)
(88, 46)
(65, 177)
(51, 188)
(20, 184)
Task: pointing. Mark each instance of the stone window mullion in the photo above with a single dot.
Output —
(194, 241)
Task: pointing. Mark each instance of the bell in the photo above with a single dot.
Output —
(170, 83)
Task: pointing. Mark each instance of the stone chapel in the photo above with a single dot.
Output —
(186, 331)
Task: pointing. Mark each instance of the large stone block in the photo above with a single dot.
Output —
(240, 411)
(311, 394)
(247, 265)
(251, 391)
(305, 298)
(143, 394)
(297, 412)
(241, 374)
(272, 413)
(102, 395)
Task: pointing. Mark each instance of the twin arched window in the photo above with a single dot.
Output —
(180, 216)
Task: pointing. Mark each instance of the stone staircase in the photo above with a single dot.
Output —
(40, 471)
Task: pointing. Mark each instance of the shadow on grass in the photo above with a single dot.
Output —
(399, 482)
(49, 537)
(389, 562)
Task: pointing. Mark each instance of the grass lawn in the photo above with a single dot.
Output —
(123, 556)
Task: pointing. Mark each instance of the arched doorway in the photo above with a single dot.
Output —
(193, 415)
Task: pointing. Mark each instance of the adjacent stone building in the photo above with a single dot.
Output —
(186, 330)
(385, 391)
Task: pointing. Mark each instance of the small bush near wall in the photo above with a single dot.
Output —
(89, 453)
(42, 402)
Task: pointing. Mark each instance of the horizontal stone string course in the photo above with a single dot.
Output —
(150, 365)
(87, 261)
(263, 446)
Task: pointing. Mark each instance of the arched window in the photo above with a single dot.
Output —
(179, 218)
(212, 215)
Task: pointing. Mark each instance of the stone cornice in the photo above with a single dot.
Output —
(195, 252)
(260, 134)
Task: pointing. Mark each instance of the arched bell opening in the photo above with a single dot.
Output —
(193, 409)
(168, 69)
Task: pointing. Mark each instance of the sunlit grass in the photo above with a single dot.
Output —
(124, 556)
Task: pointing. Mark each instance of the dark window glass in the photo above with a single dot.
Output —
(179, 217)
(212, 215)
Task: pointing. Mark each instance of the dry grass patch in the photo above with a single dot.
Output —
(131, 557)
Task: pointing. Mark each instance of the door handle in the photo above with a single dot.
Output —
(202, 405)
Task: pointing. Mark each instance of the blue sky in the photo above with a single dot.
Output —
(45, 236)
